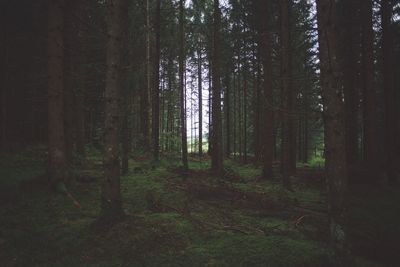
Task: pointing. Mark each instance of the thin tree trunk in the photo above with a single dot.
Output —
(257, 113)
(200, 88)
(216, 155)
(227, 116)
(234, 113)
(57, 165)
(334, 125)
(111, 203)
(245, 116)
(181, 84)
(156, 90)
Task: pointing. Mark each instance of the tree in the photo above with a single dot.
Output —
(57, 165)
(289, 134)
(370, 139)
(111, 203)
(216, 138)
(124, 96)
(349, 50)
(182, 84)
(388, 87)
(266, 55)
(334, 126)
(200, 96)
(156, 84)
(144, 97)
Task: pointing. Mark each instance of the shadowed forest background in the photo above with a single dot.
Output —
(199, 133)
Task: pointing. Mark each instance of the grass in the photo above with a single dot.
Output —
(169, 225)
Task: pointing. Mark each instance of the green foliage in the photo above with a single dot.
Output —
(317, 162)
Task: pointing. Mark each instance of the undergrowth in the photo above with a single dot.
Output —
(170, 221)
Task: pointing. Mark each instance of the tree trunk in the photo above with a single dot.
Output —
(111, 203)
(125, 95)
(234, 113)
(80, 90)
(227, 116)
(349, 50)
(181, 84)
(70, 80)
(57, 165)
(334, 126)
(256, 111)
(288, 133)
(245, 116)
(216, 138)
(200, 88)
(266, 55)
(144, 98)
(369, 94)
(156, 90)
(389, 89)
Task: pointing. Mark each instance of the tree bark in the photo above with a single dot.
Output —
(156, 90)
(144, 98)
(182, 84)
(70, 79)
(288, 160)
(80, 90)
(369, 94)
(334, 125)
(349, 50)
(389, 89)
(111, 203)
(57, 165)
(266, 55)
(216, 138)
(227, 116)
(125, 94)
(200, 88)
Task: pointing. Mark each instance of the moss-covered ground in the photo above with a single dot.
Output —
(173, 219)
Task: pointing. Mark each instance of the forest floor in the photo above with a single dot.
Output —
(196, 219)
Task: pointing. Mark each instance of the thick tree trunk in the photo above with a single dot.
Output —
(156, 90)
(70, 79)
(111, 203)
(182, 84)
(80, 91)
(216, 138)
(266, 55)
(389, 90)
(334, 125)
(57, 165)
(125, 95)
(350, 51)
(369, 94)
(144, 98)
(288, 133)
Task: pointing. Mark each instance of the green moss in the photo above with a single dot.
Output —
(167, 227)
(256, 250)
